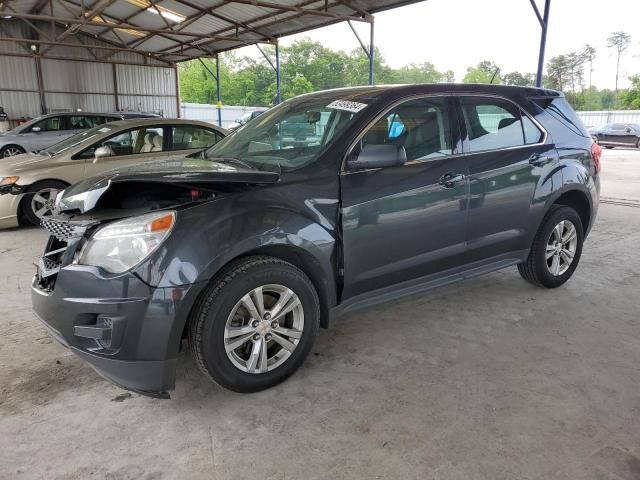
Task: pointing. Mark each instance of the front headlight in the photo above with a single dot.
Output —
(8, 180)
(122, 245)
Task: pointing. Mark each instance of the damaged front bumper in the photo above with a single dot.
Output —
(129, 331)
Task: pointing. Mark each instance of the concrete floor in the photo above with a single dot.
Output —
(487, 379)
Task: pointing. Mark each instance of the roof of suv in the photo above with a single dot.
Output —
(377, 91)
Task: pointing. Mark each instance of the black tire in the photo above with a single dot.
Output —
(215, 304)
(4, 152)
(27, 213)
(535, 269)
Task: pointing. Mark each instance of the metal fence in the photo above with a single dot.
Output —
(209, 113)
(597, 119)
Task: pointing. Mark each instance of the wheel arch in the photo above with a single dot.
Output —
(579, 201)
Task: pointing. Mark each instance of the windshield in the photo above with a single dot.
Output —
(290, 135)
(80, 139)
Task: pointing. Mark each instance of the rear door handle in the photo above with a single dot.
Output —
(449, 180)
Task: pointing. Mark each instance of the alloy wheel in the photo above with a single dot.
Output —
(561, 247)
(43, 201)
(11, 151)
(263, 329)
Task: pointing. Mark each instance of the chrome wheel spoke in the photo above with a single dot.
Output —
(229, 347)
(551, 250)
(258, 300)
(570, 233)
(254, 357)
(39, 198)
(286, 344)
(250, 305)
(282, 302)
(558, 230)
(233, 332)
(555, 264)
(291, 304)
(567, 255)
(40, 212)
(288, 332)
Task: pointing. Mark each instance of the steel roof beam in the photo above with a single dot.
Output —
(298, 9)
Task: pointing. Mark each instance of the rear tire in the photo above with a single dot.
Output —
(241, 339)
(39, 200)
(556, 249)
(11, 150)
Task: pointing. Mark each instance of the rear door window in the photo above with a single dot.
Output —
(493, 124)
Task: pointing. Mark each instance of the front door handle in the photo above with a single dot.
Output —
(449, 180)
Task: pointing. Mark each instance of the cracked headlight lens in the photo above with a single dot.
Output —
(120, 246)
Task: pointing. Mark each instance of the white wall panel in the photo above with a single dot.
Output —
(64, 102)
(17, 72)
(77, 77)
(20, 104)
(166, 106)
(133, 79)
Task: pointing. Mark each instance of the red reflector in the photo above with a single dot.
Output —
(596, 153)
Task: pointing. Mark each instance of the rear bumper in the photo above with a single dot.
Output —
(129, 332)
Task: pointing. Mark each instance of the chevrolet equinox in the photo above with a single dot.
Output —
(330, 202)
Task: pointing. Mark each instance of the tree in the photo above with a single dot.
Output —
(589, 54)
(449, 76)
(485, 72)
(557, 72)
(631, 98)
(519, 79)
(619, 41)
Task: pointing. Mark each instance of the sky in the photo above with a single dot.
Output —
(455, 34)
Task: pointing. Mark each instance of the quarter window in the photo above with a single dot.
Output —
(493, 124)
(421, 126)
(131, 142)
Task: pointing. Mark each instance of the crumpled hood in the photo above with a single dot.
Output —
(84, 195)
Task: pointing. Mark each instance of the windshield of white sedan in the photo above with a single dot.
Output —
(290, 135)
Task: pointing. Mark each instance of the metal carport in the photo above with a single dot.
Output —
(160, 33)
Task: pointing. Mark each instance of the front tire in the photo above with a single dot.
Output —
(39, 200)
(255, 324)
(556, 249)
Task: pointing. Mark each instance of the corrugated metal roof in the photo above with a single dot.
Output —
(177, 30)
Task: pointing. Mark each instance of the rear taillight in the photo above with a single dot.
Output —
(596, 153)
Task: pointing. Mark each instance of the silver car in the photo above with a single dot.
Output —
(47, 130)
(29, 183)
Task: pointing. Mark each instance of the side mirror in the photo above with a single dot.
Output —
(378, 156)
(102, 152)
(36, 129)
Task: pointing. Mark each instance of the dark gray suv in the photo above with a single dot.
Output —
(248, 248)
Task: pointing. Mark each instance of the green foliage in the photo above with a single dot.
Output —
(305, 66)
(631, 98)
(484, 72)
(519, 79)
(308, 66)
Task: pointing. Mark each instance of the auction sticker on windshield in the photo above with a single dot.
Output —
(347, 105)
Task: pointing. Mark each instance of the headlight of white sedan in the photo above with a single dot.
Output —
(120, 246)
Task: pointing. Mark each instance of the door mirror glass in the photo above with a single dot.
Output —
(35, 129)
(378, 156)
(102, 152)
